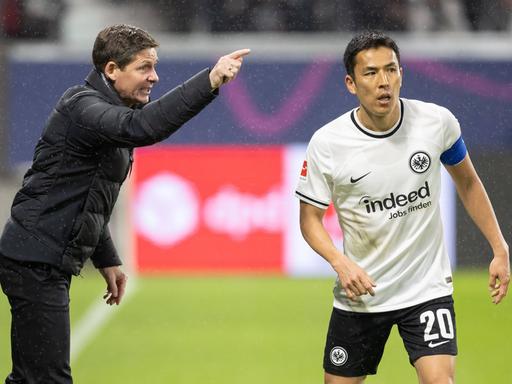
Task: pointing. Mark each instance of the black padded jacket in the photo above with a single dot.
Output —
(60, 215)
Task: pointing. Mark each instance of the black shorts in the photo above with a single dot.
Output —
(355, 341)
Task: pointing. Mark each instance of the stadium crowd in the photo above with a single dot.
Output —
(42, 18)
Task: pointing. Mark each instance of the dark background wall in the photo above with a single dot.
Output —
(494, 171)
(282, 102)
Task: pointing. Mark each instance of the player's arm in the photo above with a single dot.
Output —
(353, 279)
(474, 197)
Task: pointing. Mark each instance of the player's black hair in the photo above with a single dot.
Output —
(363, 41)
(120, 43)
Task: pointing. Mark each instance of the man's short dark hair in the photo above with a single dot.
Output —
(364, 41)
(120, 43)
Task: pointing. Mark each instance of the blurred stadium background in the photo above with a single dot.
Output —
(222, 287)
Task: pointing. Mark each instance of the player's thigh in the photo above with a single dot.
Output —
(429, 329)
(333, 379)
(438, 369)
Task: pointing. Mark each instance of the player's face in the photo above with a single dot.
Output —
(135, 80)
(377, 81)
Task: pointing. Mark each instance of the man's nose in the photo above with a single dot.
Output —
(383, 79)
(153, 76)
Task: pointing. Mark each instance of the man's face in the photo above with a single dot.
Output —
(135, 80)
(377, 81)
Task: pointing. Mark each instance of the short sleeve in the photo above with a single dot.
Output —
(315, 181)
(454, 148)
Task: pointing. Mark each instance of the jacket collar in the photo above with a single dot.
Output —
(99, 82)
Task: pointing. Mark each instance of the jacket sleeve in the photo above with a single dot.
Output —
(105, 254)
(126, 127)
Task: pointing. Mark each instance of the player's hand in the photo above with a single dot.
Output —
(499, 276)
(116, 284)
(227, 68)
(354, 280)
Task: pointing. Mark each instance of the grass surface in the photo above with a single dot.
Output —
(256, 330)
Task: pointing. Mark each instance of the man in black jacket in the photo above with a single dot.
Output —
(60, 216)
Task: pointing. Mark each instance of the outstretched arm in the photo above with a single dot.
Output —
(474, 197)
(100, 121)
(354, 279)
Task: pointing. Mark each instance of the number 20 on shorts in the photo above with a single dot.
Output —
(444, 319)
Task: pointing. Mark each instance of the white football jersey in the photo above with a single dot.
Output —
(385, 187)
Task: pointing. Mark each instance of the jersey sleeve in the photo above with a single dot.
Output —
(454, 148)
(315, 181)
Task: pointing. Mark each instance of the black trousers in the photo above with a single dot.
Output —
(39, 298)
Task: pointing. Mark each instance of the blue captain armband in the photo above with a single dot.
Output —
(455, 154)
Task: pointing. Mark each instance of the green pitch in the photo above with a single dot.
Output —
(255, 330)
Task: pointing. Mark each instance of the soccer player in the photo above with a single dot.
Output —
(379, 165)
(60, 216)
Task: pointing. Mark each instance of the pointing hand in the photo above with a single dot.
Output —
(227, 68)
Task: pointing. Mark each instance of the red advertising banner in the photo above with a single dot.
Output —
(230, 209)
(203, 208)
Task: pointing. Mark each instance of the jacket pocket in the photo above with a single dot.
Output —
(84, 239)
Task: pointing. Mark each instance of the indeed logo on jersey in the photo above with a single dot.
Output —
(398, 201)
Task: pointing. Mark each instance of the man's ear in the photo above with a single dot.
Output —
(111, 70)
(350, 84)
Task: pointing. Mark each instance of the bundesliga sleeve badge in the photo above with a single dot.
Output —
(304, 171)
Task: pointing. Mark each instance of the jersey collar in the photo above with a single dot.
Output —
(374, 134)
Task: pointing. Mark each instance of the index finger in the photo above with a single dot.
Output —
(492, 281)
(239, 53)
(370, 290)
(112, 286)
(503, 290)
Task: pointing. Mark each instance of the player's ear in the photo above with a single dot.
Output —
(111, 70)
(350, 84)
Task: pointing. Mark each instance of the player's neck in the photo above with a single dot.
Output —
(378, 123)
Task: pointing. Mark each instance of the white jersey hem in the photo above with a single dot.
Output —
(383, 308)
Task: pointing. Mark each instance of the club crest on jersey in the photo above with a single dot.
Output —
(339, 356)
(419, 162)
(304, 171)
